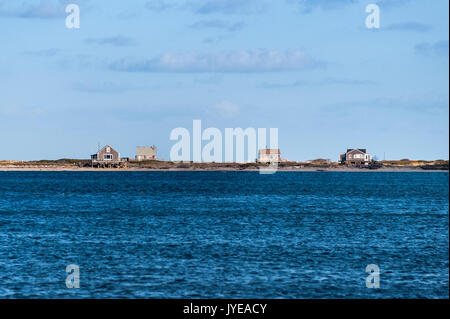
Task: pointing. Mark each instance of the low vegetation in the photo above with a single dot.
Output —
(437, 164)
(155, 164)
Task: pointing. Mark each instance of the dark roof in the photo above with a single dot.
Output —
(356, 149)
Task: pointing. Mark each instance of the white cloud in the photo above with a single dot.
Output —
(244, 61)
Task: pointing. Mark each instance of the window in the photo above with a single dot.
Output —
(107, 157)
(108, 150)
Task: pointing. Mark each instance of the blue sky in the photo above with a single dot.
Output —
(135, 70)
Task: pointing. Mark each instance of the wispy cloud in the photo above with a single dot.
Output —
(226, 109)
(215, 39)
(307, 6)
(324, 82)
(119, 41)
(13, 110)
(43, 9)
(209, 6)
(409, 26)
(102, 87)
(439, 48)
(388, 4)
(228, 6)
(43, 53)
(218, 24)
(245, 61)
(162, 5)
(209, 79)
(423, 104)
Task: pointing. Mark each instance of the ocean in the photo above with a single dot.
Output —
(224, 234)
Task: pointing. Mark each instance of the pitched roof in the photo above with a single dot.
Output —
(356, 150)
(113, 150)
(146, 150)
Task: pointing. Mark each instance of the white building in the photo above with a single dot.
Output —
(145, 153)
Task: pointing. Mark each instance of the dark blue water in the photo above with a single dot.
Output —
(224, 235)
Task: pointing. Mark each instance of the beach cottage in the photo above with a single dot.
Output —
(269, 155)
(355, 157)
(145, 153)
(107, 156)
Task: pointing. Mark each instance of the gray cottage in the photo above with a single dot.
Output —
(107, 156)
(355, 157)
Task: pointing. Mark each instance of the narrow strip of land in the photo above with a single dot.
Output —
(155, 165)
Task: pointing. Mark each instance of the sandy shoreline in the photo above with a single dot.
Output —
(303, 169)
